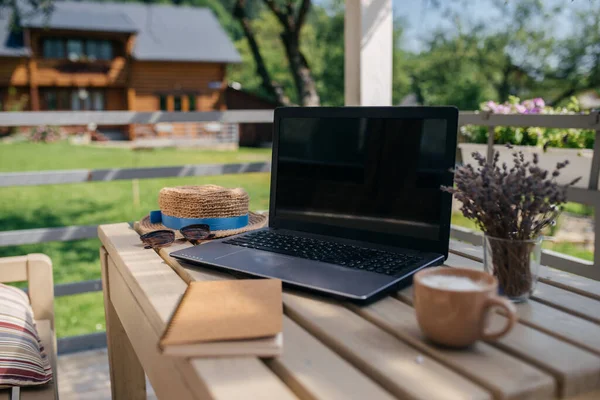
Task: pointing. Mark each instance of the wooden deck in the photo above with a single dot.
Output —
(85, 376)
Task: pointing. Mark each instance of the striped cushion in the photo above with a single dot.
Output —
(23, 361)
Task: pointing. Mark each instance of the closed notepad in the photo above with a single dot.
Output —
(222, 312)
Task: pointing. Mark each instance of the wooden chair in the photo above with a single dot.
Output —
(36, 270)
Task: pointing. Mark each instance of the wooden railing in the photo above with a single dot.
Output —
(589, 195)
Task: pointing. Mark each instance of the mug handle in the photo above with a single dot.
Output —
(511, 314)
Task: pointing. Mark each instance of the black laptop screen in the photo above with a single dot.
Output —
(372, 179)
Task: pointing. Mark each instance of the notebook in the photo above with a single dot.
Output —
(227, 318)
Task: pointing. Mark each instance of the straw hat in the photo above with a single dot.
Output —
(224, 210)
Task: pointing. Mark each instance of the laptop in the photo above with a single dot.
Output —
(356, 207)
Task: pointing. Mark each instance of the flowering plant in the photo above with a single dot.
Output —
(531, 136)
(509, 203)
(513, 205)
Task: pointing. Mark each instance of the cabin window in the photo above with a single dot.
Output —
(73, 99)
(98, 101)
(192, 101)
(53, 48)
(106, 50)
(92, 49)
(176, 103)
(76, 49)
(163, 103)
(55, 99)
(51, 100)
(99, 50)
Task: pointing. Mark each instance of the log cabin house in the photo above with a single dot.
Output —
(115, 56)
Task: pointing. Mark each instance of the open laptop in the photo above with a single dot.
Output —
(356, 207)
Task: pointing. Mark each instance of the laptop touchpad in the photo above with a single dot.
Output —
(263, 259)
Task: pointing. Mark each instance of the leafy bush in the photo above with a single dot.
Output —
(531, 136)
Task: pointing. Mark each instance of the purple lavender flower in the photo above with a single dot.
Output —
(539, 102)
(528, 104)
(490, 106)
(521, 109)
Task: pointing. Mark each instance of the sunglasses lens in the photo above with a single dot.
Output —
(196, 232)
(158, 239)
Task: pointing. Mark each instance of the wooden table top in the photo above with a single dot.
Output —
(337, 350)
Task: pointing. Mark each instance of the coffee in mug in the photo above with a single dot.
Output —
(452, 305)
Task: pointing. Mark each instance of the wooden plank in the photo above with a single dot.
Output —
(564, 280)
(564, 326)
(575, 370)
(505, 376)
(165, 373)
(308, 367)
(127, 377)
(49, 391)
(562, 319)
(43, 177)
(176, 171)
(13, 269)
(240, 378)
(79, 343)
(587, 396)
(585, 121)
(71, 288)
(157, 290)
(66, 118)
(572, 303)
(397, 367)
(79, 118)
(41, 287)
(313, 371)
(42, 235)
(105, 175)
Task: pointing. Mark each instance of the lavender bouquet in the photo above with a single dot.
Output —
(513, 205)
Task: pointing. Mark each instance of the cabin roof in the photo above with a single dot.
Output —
(163, 32)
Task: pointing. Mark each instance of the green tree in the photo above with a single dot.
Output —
(291, 16)
(477, 62)
(578, 66)
(322, 42)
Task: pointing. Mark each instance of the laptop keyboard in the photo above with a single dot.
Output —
(378, 261)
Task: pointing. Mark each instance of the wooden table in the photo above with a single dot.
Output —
(335, 350)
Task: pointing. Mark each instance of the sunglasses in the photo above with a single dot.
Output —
(164, 238)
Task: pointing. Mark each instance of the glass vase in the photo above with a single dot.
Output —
(516, 264)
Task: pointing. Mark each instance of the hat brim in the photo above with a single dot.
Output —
(255, 221)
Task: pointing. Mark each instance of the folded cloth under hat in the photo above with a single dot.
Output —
(224, 210)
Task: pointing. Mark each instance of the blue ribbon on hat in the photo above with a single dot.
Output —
(216, 224)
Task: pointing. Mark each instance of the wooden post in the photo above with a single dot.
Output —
(127, 379)
(490, 144)
(593, 185)
(34, 95)
(368, 37)
(130, 95)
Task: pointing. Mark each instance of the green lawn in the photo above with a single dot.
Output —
(97, 203)
(42, 156)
